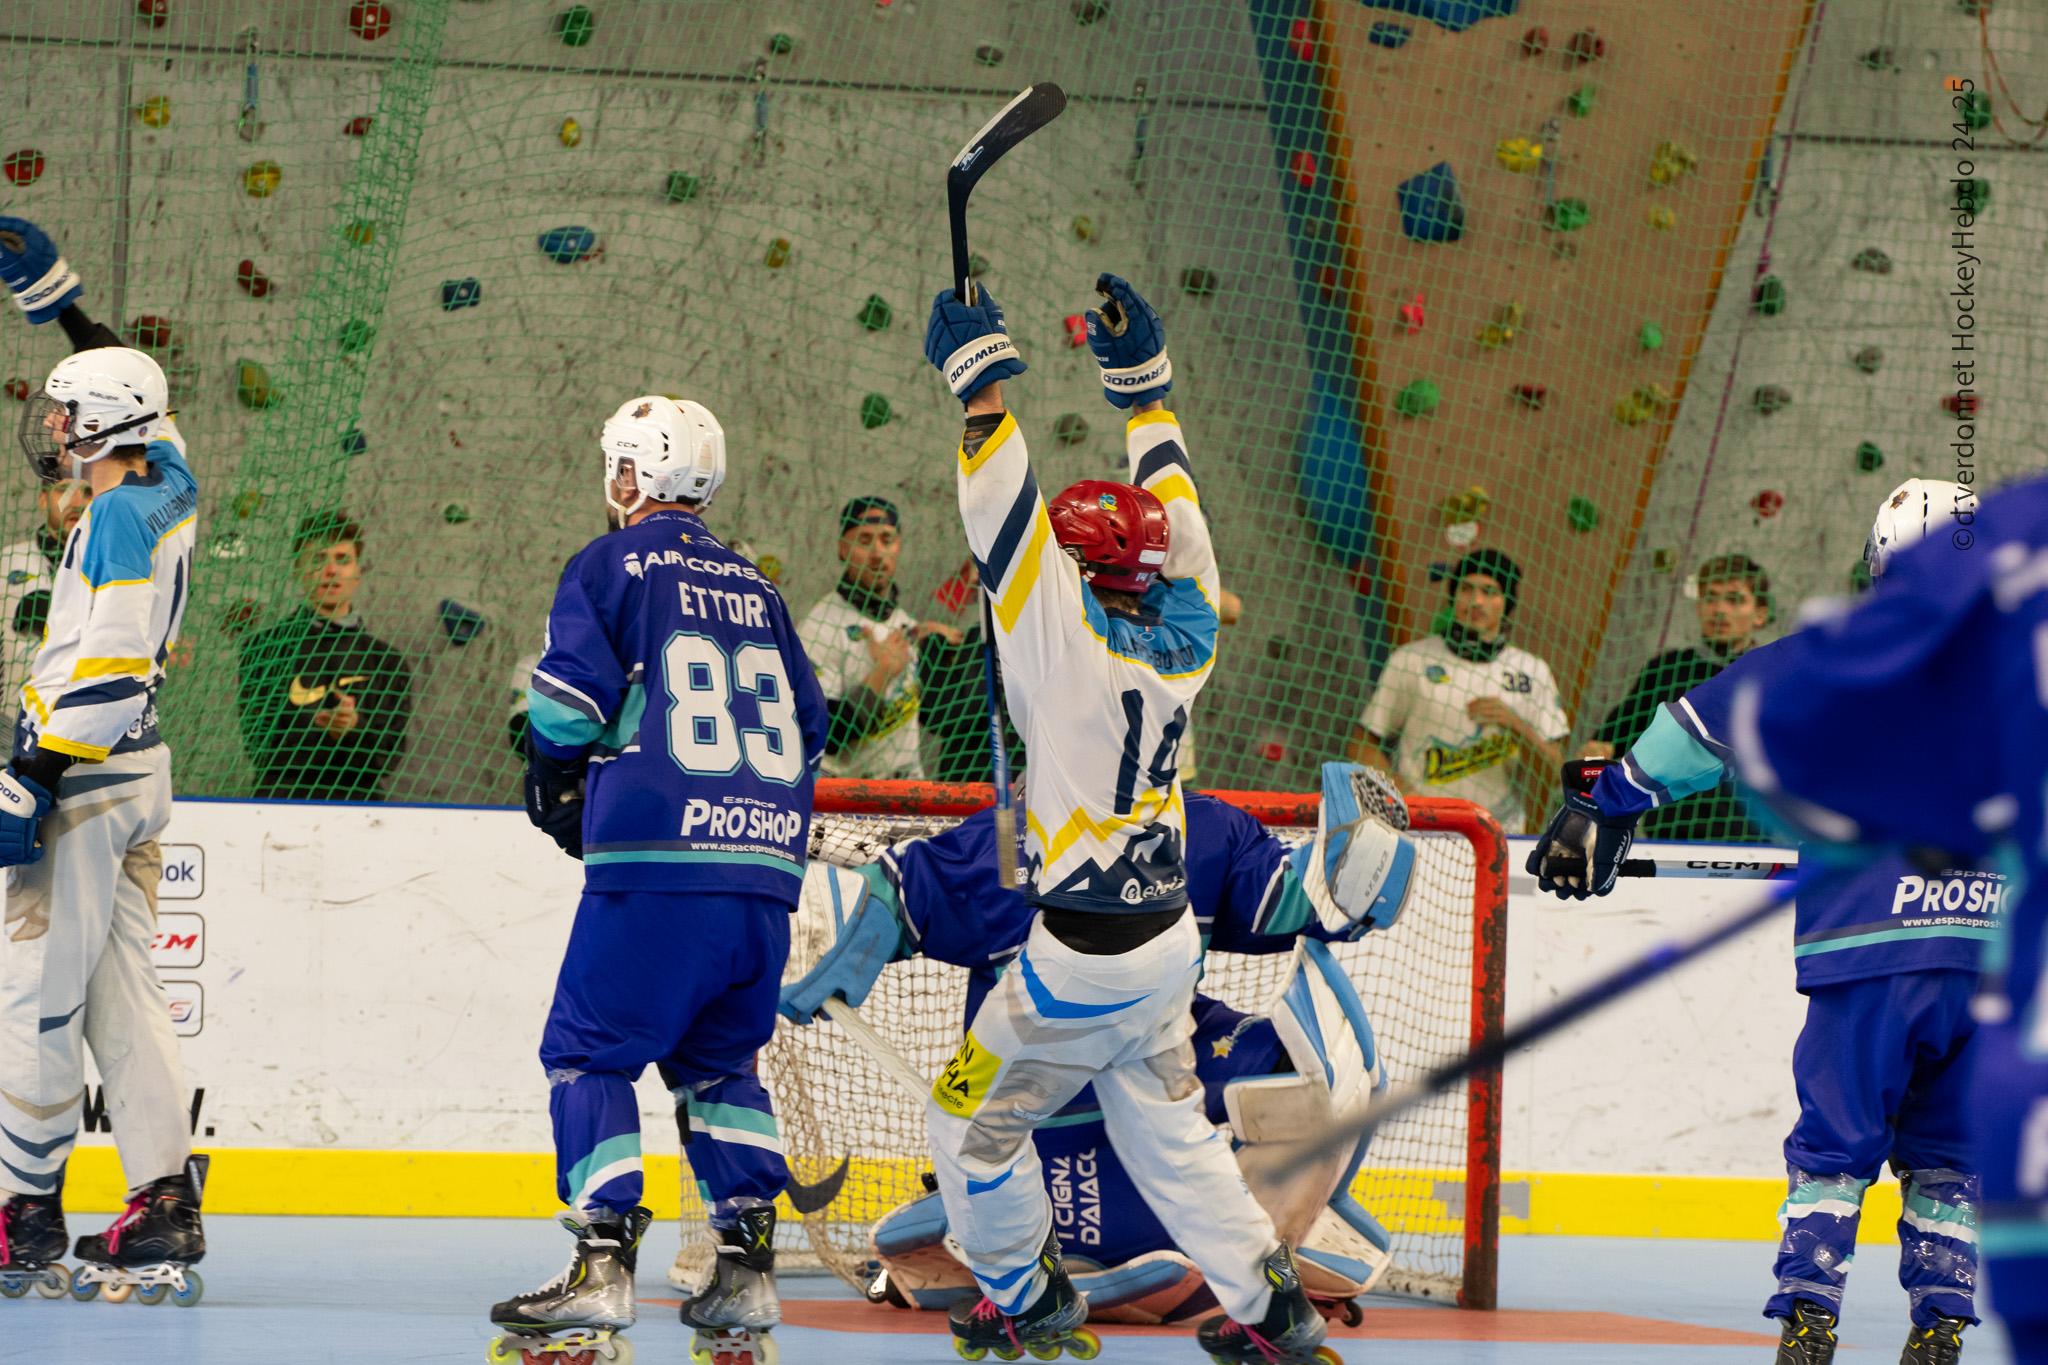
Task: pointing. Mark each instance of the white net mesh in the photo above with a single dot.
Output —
(1420, 981)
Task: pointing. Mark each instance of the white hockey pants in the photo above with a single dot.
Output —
(75, 972)
(1057, 1021)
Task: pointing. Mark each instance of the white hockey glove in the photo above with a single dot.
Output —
(1358, 869)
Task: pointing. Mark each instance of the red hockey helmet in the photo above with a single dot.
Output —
(1117, 530)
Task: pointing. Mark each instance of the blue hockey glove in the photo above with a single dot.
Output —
(1129, 344)
(969, 343)
(23, 804)
(869, 940)
(554, 798)
(43, 284)
(1580, 854)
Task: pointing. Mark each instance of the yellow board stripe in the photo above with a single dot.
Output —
(331, 1182)
(1011, 604)
(108, 668)
(1003, 432)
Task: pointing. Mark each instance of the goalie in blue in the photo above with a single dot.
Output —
(1265, 1076)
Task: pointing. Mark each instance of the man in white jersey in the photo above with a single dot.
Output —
(1468, 714)
(1104, 604)
(81, 806)
(28, 569)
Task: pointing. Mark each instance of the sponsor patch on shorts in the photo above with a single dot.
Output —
(964, 1084)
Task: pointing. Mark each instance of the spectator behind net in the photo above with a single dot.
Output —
(324, 703)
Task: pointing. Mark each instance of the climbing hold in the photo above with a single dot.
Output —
(1670, 162)
(1531, 395)
(1070, 429)
(977, 265)
(253, 281)
(153, 12)
(1581, 513)
(355, 337)
(778, 253)
(354, 443)
(361, 232)
(780, 44)
(1661, 218)
(1767, 503)
(152, 333)
(1518, 154)
(463, 293)
(1976, 110)
(1086, 12)
(241, 614)
(1302, 165)
(1859, 577)
(1273, 751)
(1084, 228)
(246, 504)
(358, 126)
(1663, 560)
(1641, 405)
(1769, 296)
(571, 133)
(1198, 281)
(1869, 458)
(1869, 359)
(1581, 100)
(154, 112)
(261, 180)
(1536, 42)
(1412, 315)
(369, 20)
(252, 385)
(1880, 59)
(770, 567)
(575, 25)
(1077, 329)
(24, 167)
(1461, 535)
(1872, 260)
(17, 389)
(568, 245)
(1650, 337)
(455, 514)
(1432, 210)
(874, 411)
(1418, 398)
(1770, 398)
(681, 188)
(1585, 46)
(228, 545)
(1391, 36)
(1302, 39)
(1973, 8)
(988, 54)
(1507, 320)
(874, 314)
(1568, 215)
(461, 623)
(1467, 506)
(1972, 196)
(1961, 404)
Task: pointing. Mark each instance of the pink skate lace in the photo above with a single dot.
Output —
(135, 1208)
(6, 1256)
(986, 1309)
(1232, 1327)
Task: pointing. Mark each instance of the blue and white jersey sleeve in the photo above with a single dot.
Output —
(579, 684)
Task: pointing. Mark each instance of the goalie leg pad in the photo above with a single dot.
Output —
(915, 1253)
(1357, 872)
(1160, 1286)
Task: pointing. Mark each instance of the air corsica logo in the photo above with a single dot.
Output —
(632, 564)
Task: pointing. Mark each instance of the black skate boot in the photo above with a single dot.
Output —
(1941, 1344)
(737, 1305)
(1291, 1333)
(148, 1248)
(1809, 1337)
(1051, 1324)
(583, 1308)
(32, 1242)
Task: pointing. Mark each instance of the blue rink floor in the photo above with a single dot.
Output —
(406, 1290)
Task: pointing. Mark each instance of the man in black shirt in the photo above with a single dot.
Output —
(324, 703)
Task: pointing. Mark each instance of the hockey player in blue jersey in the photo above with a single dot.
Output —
(1950, 656)
(1886, 953)
(676, 730)
(1311, 1054)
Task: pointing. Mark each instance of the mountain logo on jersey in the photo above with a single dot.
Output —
(1437, 673)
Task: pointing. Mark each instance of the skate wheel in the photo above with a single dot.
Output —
(1008, 1353)
(502, 1352)
(11, 1288)
(620, 1352)
(966, 1352)
(1326, 1356)
(1084, 1344)
(194, 1290)
(118, 1293)
(55, 1284)
(1353, 1314)
(152, 1294)
(1043, 1350)
(85, 1291)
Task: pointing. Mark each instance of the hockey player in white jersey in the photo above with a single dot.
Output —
(81, 806)
(1104, 604)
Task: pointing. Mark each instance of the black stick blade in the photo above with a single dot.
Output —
(1033, 108)
(809, 1199)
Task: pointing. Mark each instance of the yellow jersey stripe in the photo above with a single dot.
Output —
(1011, 604)
(91, 753)
(90, 586)
(1003, 432)
(110, 668)
(1146, 419)
(1146, 810)
(1175, 486)
(35, 704)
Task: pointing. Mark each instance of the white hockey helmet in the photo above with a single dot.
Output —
(1911, 510)
(92, 404)
(676, 448)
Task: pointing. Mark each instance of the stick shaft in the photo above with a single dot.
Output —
(888, 1058)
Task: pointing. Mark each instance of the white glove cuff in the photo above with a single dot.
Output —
(50, 286)
(977, 355)
(1138, 378)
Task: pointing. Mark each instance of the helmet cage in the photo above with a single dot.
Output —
(49, 433)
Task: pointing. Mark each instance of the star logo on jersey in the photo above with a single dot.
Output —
(1437, 673)
(303, 694)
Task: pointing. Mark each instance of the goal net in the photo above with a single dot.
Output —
(1431, 985)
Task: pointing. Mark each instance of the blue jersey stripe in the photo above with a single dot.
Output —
(1016, 524)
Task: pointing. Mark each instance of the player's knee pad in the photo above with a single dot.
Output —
(1358, 869)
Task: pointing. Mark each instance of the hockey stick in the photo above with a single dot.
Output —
(877, 1047)
(1032, 109)
(1710, 869)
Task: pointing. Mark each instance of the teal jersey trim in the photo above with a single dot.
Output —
(1982, 933)
(561, 725)
(1674, 759)
(686, 855)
